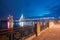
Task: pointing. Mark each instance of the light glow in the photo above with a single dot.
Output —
(21, 18)
(51, 24)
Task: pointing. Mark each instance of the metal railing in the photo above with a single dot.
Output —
(18, 33)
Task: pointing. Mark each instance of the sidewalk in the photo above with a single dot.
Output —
(50, 34)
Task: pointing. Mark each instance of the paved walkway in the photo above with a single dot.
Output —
(52, 33)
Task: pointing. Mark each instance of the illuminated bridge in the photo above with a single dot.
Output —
(30, 20)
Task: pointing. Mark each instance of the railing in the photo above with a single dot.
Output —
(44, 26)
(24, 32)
(20, 33)
(4, 34)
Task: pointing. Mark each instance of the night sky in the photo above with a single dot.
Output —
(29, 8)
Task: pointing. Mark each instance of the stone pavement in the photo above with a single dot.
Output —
(52, 33)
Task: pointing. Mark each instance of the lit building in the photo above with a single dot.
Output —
(10, 22)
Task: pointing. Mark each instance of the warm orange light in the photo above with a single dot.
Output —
(8, 25)
(51, 24)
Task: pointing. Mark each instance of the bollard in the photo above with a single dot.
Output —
(37, 29)
(51, 24)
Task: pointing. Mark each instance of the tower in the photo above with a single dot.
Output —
(10, 22)
(21, 18)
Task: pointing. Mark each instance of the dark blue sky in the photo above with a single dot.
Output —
(29, 8)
